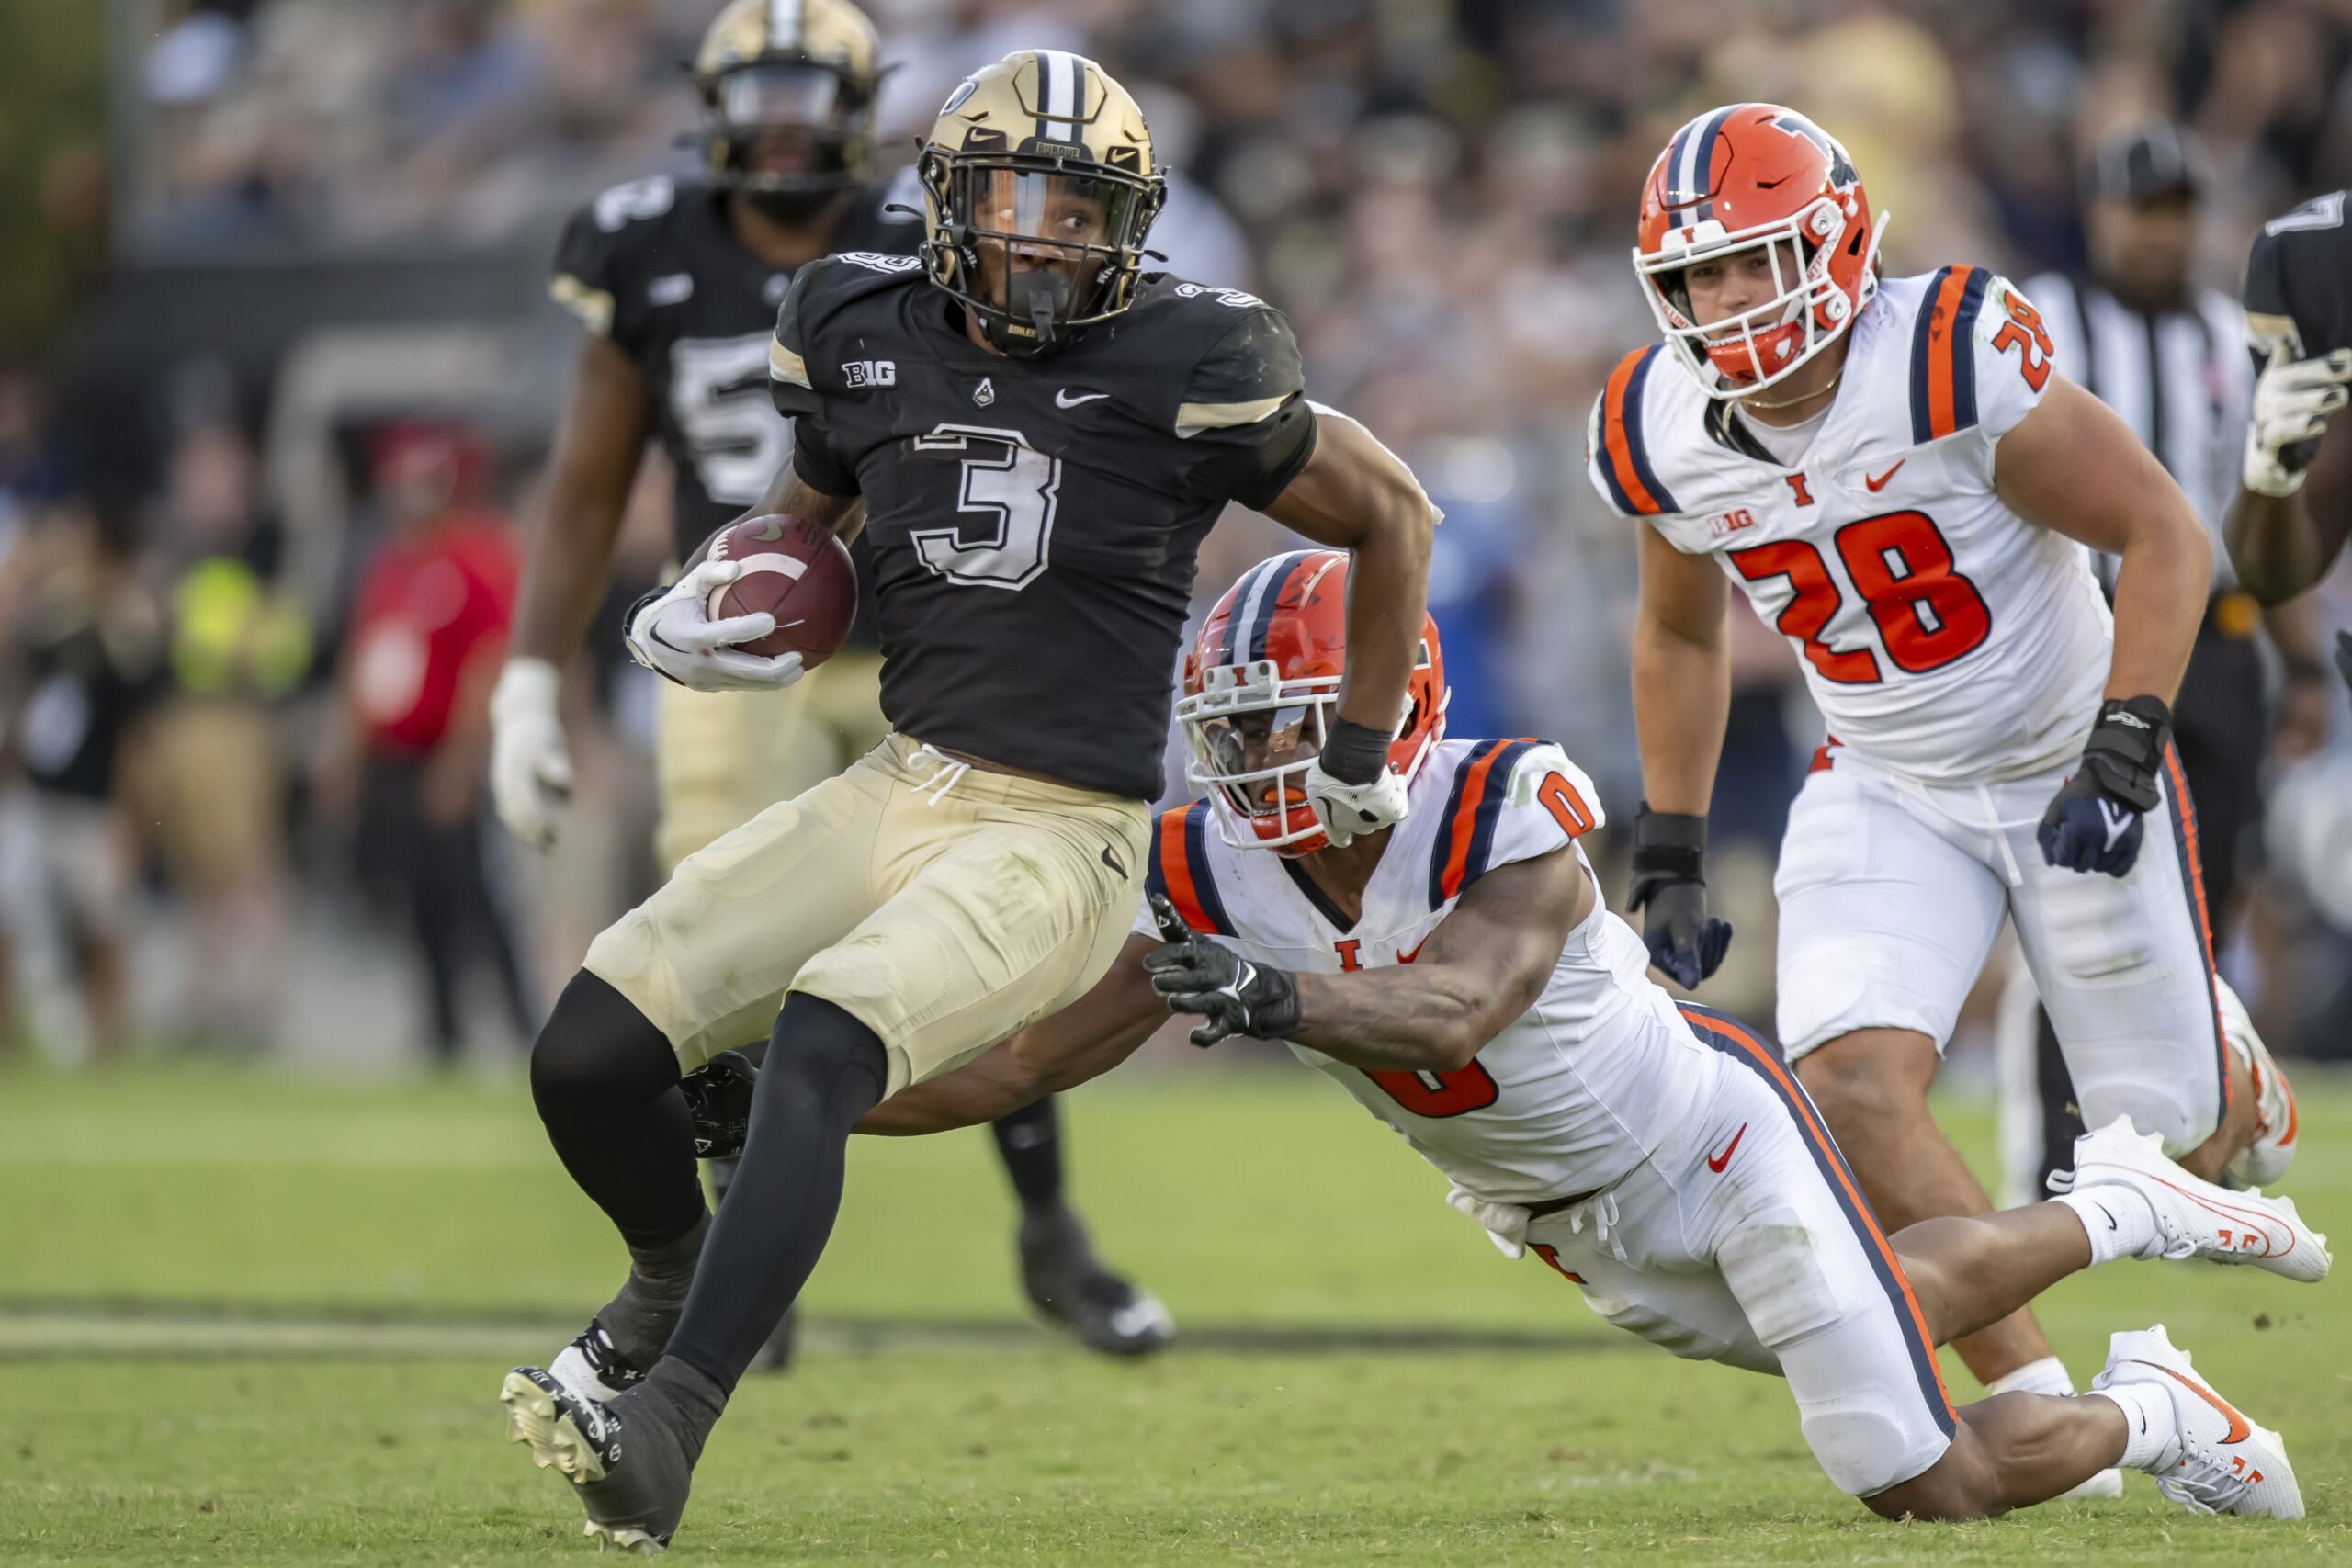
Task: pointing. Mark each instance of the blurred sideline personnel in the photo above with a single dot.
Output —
(2167, 357)
(1043, 435)
(1462, 977)
(678, 284)
(1997, 743)
(428, 628)
(2293, 507)
(83, 665)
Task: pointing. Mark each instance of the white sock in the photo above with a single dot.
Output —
(2120, 1223)
(2046, 1376)
(2152, 1428)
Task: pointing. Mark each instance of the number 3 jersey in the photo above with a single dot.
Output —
(655, 266)
(1034, 523)
(1943, 636)
(1576, 1090)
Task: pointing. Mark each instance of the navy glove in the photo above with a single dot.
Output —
(719, 1097)
(1194, 974)
(1670, 887)
(2096, 820)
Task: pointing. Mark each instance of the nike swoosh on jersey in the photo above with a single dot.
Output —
(1879, 483)
(1716, 1162)
(1111, 860)
(1062, 399)
(2239, 1426)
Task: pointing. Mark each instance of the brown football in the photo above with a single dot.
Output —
(794, 571)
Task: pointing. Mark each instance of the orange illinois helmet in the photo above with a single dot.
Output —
(1735, 178)
(1262, 688)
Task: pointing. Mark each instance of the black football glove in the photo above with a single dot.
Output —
(1670, 887)
(718, 1097)
(2344, 656)
(2096, 820)
(1194, 974)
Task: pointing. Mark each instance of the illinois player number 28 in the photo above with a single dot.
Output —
(1927, 614)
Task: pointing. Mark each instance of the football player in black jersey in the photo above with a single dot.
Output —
(1034, 436)
(678, 284)
(2293, 508)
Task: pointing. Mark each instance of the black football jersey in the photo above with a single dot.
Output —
(654, 265)
(1034, 522)
(2300, 271)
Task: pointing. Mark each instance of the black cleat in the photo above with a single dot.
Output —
(593, 1368)
(634, 1494)
(1067, 1284)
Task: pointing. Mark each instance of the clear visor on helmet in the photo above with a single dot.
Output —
(763, 97)
(1067, 231)
(1249, 739)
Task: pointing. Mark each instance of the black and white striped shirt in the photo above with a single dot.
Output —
(2179, 378)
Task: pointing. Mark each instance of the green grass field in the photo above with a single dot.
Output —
(249, 1320)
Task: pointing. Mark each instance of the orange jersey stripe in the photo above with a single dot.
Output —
(1943, 342)
(2184, 814)
(1461, 829)
(1176, 870)
(1613, 435)
(1813, 1129)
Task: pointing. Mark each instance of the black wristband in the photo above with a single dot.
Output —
(2126, 748)
(1354, 753)
(1668, 847)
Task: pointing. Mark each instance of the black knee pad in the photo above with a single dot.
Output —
(596, 1043)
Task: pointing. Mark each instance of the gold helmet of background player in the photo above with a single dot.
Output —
(787, 89)
(1039, 187)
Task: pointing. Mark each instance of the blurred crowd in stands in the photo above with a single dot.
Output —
(1439, 192)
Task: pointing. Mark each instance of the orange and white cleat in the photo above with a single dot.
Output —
(2195, 1218)
(2265, 1160)
(2220, 1463)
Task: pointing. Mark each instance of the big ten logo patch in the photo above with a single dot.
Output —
(1724, 524)
(870, 373)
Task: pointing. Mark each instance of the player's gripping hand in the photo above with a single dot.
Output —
(530, 771)
(2094, 821)
(1670, 888)
(719, 1097)
(671, 633)
(1194, 974)
(2292, 400)
(1351, 788)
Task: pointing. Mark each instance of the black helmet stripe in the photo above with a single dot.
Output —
(1267, 597)
(1690, 166)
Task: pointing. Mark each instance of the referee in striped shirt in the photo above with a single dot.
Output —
(2170, 358)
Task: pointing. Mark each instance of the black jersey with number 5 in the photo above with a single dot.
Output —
(655, 266)
(1034, 522)
(2299, 277)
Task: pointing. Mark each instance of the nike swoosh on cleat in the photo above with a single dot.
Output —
(1062, 399)
(2240, 1428)
(1879, 483)
(1716, 1162)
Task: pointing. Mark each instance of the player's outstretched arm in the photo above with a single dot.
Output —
(2283, 544)
(2074, 468)
(1483, 965)
(1682, 660)
(1354, 494)
(1083, 1041)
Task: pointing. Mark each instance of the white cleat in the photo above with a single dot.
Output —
(2265, 1160)
(2105, 1483)
(591, 1367)
(2194, 1217)
(2222, 1462)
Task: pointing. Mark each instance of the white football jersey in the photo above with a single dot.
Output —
(1566, 1098)
(1943, 636)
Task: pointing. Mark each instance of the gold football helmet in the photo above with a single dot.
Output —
(1039, 187)
(787, 89)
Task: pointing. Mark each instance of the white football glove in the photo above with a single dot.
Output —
(530, 772)
(674, 636)
(1346, 809)
(2293, 400)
